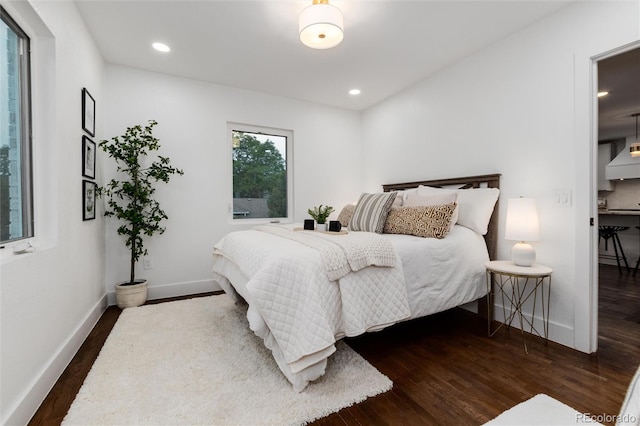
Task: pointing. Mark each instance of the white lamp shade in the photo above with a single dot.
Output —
(321, 26)
(522, 220)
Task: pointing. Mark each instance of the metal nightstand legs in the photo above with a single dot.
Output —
(515, 290)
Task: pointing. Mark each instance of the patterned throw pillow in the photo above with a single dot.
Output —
(371, 212)
(434, 200)
(421, 221)
(345, 214)
(475, 205)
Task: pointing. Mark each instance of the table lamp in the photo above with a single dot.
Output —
(522, 226)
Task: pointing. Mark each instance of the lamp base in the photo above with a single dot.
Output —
(522, 254)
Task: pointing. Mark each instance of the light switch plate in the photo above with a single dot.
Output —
(562, 197)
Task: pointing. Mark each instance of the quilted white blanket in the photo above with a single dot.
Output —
(342, 253)
(297, 309)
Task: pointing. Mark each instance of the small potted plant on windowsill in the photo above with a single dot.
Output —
(320, 214)
(130, 199)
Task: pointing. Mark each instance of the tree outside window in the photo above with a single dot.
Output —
(259, 175)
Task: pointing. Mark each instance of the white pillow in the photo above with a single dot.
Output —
(408, 192)
(402, 195)
(430, 190)
(398, 201)
(475, 205)
(434, 200)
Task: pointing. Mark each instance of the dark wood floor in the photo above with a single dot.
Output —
(446, 371)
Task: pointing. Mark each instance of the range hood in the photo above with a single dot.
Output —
(624, 166)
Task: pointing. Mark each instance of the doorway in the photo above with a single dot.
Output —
(618, 103)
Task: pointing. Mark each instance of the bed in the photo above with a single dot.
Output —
(305, 290)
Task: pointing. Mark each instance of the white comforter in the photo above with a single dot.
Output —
(300, 313)
(294, 306)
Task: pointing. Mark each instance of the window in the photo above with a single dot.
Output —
(261, 172)
(16, 204)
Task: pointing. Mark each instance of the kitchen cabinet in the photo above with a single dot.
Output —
(604, 157)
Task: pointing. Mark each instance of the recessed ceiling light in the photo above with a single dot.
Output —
(161, 47)
(601, 94)
(354, 92)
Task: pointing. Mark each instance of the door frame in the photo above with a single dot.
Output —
(593, 193)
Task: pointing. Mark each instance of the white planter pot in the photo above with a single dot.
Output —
(128, 296)
(321, 227)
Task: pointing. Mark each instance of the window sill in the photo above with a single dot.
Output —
(10, 254)
(255, 222)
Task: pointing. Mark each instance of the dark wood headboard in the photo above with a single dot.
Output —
(484, 181)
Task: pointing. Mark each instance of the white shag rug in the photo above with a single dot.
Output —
(542, 410)
(196, 362)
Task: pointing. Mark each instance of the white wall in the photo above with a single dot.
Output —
(512, 109)
(50, 299)
(192, 127)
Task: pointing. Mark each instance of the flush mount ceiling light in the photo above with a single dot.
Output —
(321, 25)
(634, 148)
(161, 47)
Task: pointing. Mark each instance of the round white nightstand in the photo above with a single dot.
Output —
(516, 285)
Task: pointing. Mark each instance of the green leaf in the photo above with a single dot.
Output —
(129, 199)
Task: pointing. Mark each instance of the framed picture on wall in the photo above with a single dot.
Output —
(88, 158)
(88, 112)
(88, 200)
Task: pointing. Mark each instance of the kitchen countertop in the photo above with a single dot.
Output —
(621, 212)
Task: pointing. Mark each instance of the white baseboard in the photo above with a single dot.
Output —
(559, 333)
(28, 403)
(471, 306)
(175, 290)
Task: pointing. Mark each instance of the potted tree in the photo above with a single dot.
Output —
(320, 214)
(130, 199)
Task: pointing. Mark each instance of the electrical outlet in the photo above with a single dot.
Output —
(147, 263)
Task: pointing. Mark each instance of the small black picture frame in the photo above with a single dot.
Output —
(88, 112)
(88, 158)
(88, 200)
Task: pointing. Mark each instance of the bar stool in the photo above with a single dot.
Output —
(611, 232)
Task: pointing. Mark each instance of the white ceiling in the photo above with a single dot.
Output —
(620, 76)
(388, 45)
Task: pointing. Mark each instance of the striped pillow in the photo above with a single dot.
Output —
(371, 212)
